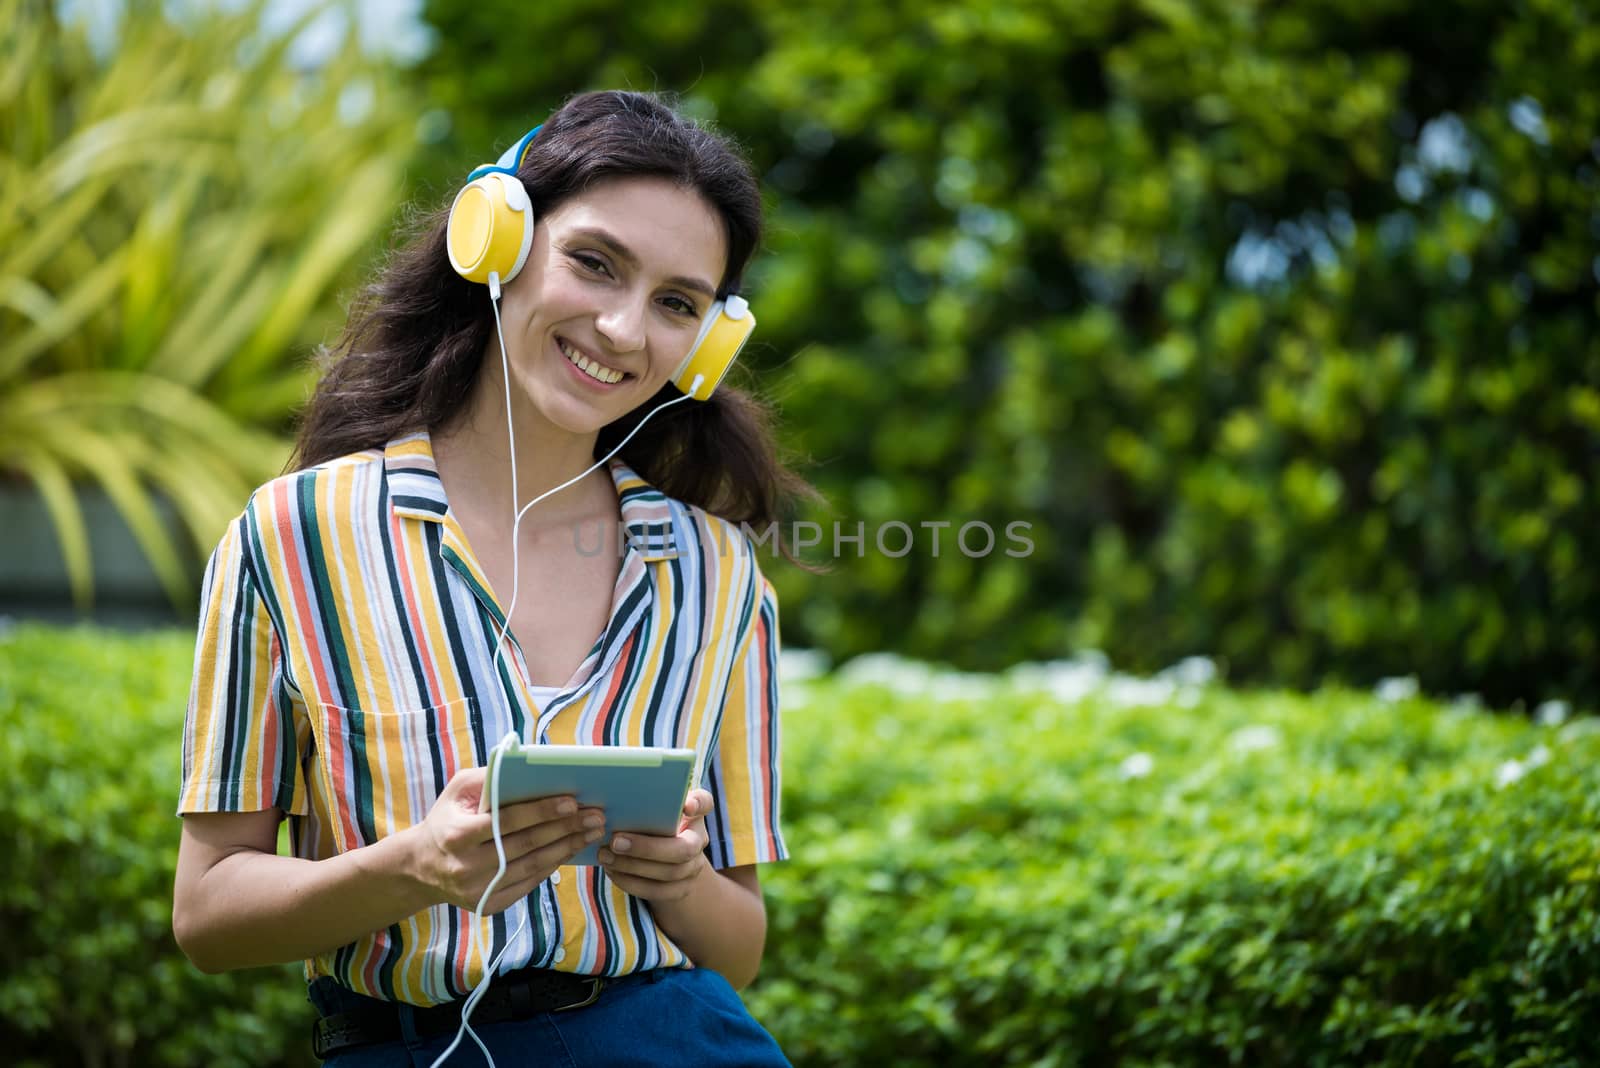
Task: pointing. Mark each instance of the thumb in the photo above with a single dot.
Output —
(699, 803)
(466, 786)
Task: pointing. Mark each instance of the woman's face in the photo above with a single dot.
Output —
(617, 282)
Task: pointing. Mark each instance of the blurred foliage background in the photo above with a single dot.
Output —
(1275, 321)
(177, 212)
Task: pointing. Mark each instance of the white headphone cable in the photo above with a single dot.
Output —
(498, 753)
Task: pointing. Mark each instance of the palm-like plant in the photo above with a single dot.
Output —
(175, 219)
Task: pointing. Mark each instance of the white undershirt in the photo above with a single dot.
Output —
(543, 695)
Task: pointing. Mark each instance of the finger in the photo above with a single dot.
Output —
(656, 870)
(522, 875)
(506, 896)
(544, 834)
(632, 884)
(582, 829)
(465, 778)
(547, 858)
(687, 843)
(525, 814)
(649, 889)
(647, 847)
(506, 888)
(698, 804)
(548, 843)
(465, 787)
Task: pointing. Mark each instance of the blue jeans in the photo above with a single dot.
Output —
(688, 1017)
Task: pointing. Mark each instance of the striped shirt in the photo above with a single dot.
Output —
(345, 670)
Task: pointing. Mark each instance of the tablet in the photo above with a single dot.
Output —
(641, 788)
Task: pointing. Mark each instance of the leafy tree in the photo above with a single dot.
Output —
(1274, 321)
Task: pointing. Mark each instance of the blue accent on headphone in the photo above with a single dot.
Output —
(511, 159)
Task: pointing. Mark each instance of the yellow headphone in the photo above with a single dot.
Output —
(491, 230)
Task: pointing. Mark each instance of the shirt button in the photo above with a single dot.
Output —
(555, 877)
(561, 955)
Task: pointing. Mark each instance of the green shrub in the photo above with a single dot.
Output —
(91, 727)
(1052, 867)
(1168, 874)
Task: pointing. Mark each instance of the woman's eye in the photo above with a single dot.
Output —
(592, 263)
(681, 306)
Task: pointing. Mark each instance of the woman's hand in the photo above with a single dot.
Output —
(658, 868)
(453, 851)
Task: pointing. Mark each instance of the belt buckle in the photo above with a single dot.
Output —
(319, 1044)
(596, 984)
(333, 1033)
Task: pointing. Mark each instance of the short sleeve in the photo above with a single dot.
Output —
(743, 773)
(240, 748)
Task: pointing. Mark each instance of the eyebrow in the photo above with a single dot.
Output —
(625, 254)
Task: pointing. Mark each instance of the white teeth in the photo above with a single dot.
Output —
(589, 367)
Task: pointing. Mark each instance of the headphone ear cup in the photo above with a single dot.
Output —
(728, 325)
(491, 228)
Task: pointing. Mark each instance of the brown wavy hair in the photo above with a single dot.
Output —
(416, 336)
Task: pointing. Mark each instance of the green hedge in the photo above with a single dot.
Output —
(91, 726)
(1055, 866)
(1275, 320)
(998, 870)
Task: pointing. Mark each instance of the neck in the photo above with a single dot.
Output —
(547, 455)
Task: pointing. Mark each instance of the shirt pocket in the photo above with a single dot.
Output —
(382, 771)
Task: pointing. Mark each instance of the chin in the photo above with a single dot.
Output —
(583, 420)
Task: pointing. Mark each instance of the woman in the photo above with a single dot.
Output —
(355, 662)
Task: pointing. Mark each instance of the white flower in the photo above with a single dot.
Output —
(1512, 770)
(1068, 681)
(1251, 739)
(1137, 766)
(1508, 773)
(797, 665)
(1552, 713)
(1580, 728)
(966, 685)
(1401, 689)
(1124, 691)
(1191, 671)
(909, 677)
(915, 678)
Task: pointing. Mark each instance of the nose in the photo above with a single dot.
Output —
(622, 324)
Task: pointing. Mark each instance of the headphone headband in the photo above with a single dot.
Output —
(510, 161)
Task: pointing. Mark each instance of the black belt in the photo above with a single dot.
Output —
(510, 997)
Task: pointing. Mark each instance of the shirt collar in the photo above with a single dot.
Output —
(415, 492)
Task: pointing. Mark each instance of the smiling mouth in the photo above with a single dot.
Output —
(593, 368)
